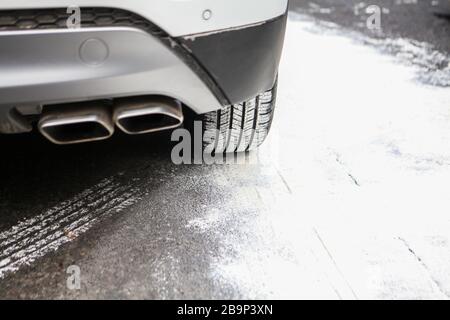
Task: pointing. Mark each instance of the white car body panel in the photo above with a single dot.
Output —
(177, 17)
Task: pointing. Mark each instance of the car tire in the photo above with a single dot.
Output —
(241, 127)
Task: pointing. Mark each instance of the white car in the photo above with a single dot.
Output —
(77, 70)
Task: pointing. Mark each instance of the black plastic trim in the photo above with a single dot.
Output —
(243, 62)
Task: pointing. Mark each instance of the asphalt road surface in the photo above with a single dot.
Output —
(421, 20)
(347, 199)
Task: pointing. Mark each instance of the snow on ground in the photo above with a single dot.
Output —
(361, 150)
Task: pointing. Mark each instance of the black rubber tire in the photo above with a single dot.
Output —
(241, 127)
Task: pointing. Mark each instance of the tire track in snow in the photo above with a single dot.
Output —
(33, 238)
(57, 209)
(34, 225)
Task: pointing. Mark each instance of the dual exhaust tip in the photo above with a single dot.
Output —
(93, 121)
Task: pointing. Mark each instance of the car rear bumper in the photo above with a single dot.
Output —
(43, 67)
(47, 64)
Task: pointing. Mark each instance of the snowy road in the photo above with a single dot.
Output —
(349, 199)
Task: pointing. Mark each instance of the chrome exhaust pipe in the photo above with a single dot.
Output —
(140, 115)
(76, 123)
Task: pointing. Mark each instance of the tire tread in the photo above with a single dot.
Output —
(241, 127)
